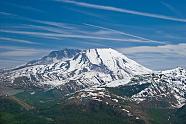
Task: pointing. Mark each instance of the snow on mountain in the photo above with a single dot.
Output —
(72, 70)
(85, 68)
(170, 84)
(56, 56)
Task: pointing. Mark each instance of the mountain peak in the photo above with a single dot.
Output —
(180, 68)
(105, 53)
(54, 56)
(179, 71)
(104, 50)
(65, 54)
(92, 66)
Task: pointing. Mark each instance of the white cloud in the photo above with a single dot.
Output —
(121, 10)
(11, 56)
(11, 51)
(179, 49)
(16, 40)
(158, 57)
(20, 53)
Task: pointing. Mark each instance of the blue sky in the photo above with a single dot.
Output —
(152, 32)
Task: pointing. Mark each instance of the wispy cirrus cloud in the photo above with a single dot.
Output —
(25, 7)
(121, 10)
(54, 24)
(59, 30)
(6, 13)
(125, 33)
(16, 40)
(171, 8)
(76, 36)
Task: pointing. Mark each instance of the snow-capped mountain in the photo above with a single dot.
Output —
(85, 68)
(167, 85)
(72, 70)
(159, 89)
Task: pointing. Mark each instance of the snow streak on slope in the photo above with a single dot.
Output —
(92, 67)
(169, 85)
(73, 70)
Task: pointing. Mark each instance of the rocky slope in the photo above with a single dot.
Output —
(167, 85)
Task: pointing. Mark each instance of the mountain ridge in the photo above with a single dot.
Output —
(72, 70)
(114, 63)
